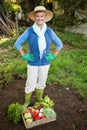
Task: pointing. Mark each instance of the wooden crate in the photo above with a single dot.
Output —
(39, 122)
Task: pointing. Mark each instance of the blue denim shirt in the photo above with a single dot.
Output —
(31, 37)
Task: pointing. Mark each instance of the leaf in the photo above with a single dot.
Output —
(14, 112)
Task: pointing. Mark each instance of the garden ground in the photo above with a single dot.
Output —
(71, 109)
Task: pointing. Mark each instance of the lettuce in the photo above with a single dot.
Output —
(48, 112)
(14, 112)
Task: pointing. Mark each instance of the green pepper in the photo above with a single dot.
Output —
(46, 99)
(36, 105)
(44, 104)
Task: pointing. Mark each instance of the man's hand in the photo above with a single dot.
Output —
(50, 57)
(29, 57)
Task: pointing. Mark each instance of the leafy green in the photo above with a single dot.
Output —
(14, 112)
(48, 112)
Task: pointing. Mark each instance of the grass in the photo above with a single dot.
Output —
(69, 68)
(74, 40)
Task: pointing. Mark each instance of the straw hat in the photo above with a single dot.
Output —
(48, 13)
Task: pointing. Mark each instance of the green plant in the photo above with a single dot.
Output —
(14, 112)
(74, 40)
(69, 69)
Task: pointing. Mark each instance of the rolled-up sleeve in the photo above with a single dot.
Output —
(23, 38)
(57, 41)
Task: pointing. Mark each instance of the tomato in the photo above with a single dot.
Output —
(34, 114)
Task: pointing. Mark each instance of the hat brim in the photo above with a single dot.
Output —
(49, 15)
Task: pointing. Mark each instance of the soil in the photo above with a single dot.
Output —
(70, 108)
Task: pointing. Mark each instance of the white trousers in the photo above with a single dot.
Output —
(36, 77)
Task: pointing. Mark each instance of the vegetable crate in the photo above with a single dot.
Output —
(39, 122)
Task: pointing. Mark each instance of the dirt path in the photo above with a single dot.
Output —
(71, 109)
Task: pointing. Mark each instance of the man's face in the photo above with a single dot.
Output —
(40, 18)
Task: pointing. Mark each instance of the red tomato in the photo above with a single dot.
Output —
(36, 118)
(35, 114)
